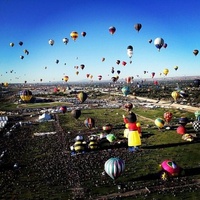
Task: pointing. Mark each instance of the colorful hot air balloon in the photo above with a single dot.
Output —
(82, 96)
(66, 78)
(112, 30)
(51, 42)
(107, 128)
(65, 40)
(159, 122)
(74, 35)
(165, 72)
(195, 52)
(126, 90)
(168, 116)
(89, 123)
(158, 42)
(175, 95)
(63, 109)
(26, 95)
(138, 26)
(197, 114)
(114, 167)
(76, 113)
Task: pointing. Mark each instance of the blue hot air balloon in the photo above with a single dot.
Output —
(126, 90)
(114, 167)
(159, 42)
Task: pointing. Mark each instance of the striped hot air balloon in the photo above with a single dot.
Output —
(114, 167)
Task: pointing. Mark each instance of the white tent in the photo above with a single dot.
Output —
(44, 117)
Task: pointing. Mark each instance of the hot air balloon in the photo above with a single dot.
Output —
(175, 95)
(77, 72)
(111, 137)
(5, 84)
(22, 57)
(181, 130)
(153, 74)
(176, 67)
(165, 72)
(150, 41)
(112, 30)
(130, 51)
(82, 96)
(83, 33)
(107, 128)
(197, 115)
(20, 43)
(26, 51)
(159, 122)
(76, 113)
(158, 42)
(87, 75)
(12, 44)
(74, 35)
(82, 66)
(124, 63)
(138, 26)
(63, 109)
(183, 121)
(57, 61)
(195, 52)
(89, 123)
(66, 78)
(126, 90)
(114, 167)
(65, 40)
(165, 45)
(129, 79)
(118, 62)
(51, 42)
(99, 77)
(118, 71)
(103, 59)
(128, 106)
(196, 126)
(168, 116)
(26, 95)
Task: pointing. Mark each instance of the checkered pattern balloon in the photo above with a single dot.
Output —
(196, 126)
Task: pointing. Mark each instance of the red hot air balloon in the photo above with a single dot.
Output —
(153, 74)
(168, 116)
(63, 109)
(112, 30)
(107, 128)
(123, 63)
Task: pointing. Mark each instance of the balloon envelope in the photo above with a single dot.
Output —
(175, 95)
(196, 126)
(168, 116)
(158, 42)
(74, 35)
(114, 167)
(159, 122)
(89, 123)
(107, 128)
(125, 90)
(76, 113)
(26, 95)
(181, 130)
(82, 96)
(112, 30)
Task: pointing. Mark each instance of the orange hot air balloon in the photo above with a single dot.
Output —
(112, 30)
(77, 72)
(74, 35)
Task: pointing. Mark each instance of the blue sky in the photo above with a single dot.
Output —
(36, 21)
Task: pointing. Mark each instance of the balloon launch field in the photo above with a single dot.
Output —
(47, 169)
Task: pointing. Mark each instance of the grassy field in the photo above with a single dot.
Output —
(48, 172)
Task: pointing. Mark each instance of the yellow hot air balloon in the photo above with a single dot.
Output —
(165, 72)
(66, 78)
(175, 95)
(5, 84)
(74, 35)
(26, 95)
